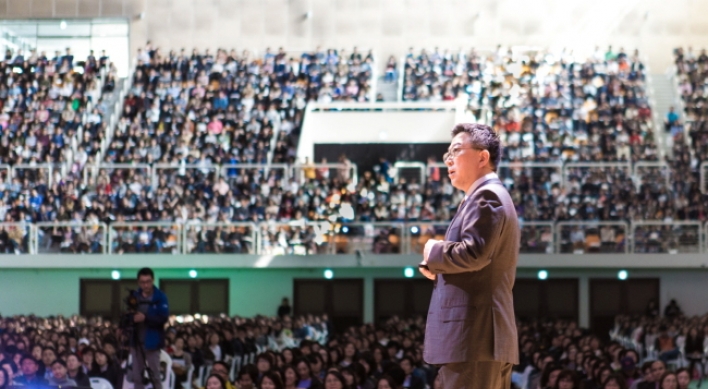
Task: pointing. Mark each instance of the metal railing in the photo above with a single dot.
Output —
(592, 237)
(537, 237)
(70, 237)
(310, 238)
(667, 237)
(17, 238)
(703, 172)
(421, 175)
(302, 172)
(145, 238)
(219, 238)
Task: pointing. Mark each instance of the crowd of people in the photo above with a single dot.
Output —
(692, 75)
(284, 352)
(191, 121)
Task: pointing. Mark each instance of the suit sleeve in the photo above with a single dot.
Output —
(480, 233)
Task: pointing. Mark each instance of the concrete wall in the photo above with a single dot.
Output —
(390, 26)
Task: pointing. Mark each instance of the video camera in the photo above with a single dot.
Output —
(127, 322)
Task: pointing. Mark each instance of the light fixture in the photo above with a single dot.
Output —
(408, 272)
(62, 25)
(345, 229)
(192, 273)
(542, 274)
(115, 274)
(622, 275)
(328, 274)
(414, 230)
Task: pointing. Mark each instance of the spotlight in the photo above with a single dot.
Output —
(622, 275)
(415, 230)
(192, 273)
(345, 229)
(542, 274)
(328, 274)
(62, 25)
(115, 274)
(408, 272)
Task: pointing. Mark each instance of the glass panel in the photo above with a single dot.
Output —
(419, 235)
(368, 238)
(117, 49)
(71, 28)
(581, 239)
(294, 239)
(109, 29)
(15, 238)
(219, 239)
(77, 239)
(27, 30)
(671, 239)
(145, 239)
(536, 239)
(79, 47)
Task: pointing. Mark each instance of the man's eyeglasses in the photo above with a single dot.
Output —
(456, 151)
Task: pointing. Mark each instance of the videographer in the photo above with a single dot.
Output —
(149, 328)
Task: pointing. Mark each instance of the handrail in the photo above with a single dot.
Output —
(412, 165)
(38, 166)
(155, 176)
(407, 230)
(73, 224)
(384, 106)
(98, 166)
(112, 226)
(254, 233)
(702, 173)
(333, 165)
(700, 234)
(560, 225)
(651, 164)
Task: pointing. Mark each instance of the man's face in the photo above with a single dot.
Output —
(465, 167)
(245, 382)
(72, 362)
(59, 371)
(657, 370)
(221, 371)
(146, 284)
(29, 367)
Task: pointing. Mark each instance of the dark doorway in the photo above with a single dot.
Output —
(611, 297)
(554, 298)
(205, 296)
(104, 297)
(342, 300)
(403, 298)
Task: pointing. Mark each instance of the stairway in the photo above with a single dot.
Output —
(389, 90)
(664, 95)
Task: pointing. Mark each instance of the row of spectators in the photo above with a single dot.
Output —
(305, 352)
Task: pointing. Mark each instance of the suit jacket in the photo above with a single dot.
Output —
(471, 314)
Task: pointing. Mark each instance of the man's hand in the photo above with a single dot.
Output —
(139, 317)
(425, 272)
(429, 246)
(423, 265)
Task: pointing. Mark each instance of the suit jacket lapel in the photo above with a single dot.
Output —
(464, 203)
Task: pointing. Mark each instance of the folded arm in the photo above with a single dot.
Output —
(481, 226)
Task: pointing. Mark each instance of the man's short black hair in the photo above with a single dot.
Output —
(30, 357)
(250, 370)
(59, 361)
(146, 271)
(222, 364)
(483, 137)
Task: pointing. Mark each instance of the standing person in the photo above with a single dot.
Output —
(284, 308)
(471, 329)
(149, 321)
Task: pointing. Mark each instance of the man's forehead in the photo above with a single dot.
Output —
(459, 139)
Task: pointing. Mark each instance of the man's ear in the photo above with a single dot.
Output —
(484, 156)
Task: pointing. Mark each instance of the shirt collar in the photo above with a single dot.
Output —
(479, 182)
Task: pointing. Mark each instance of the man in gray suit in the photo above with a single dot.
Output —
(471, 330)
